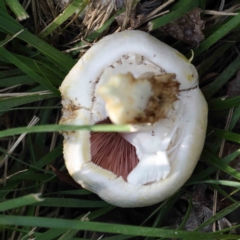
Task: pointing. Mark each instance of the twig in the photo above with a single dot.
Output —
(217, 13)
(160, 8)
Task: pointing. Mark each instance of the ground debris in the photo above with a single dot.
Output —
(139, 14)
(234, 86)
(202, 201)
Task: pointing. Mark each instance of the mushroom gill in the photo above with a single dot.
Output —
(112, 152)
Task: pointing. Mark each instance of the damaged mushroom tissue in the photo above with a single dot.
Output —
(133, 78)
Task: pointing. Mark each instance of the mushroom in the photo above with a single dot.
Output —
(132, 78)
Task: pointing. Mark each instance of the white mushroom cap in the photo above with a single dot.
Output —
(137, 53)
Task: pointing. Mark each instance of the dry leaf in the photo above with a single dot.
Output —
(199, 214)
(224, 223)
(187, 28)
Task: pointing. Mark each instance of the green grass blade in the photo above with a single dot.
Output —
(235, 118)
(49, 157)
(231, 156)
(11, 81)
(45, 117)
(179, 9)
(220, 104)
(53, 233)
(17, 8)
(35, 108)
(223, 193)
(215, 161)
(7, 103)
(213, 58)
(77, 5)
(8, 39)
(211, 169)
(72, 192)
(20, 202)
(100, 212)
(201, 175)
(226, 134)
(222, 31)
(42, 66)
(164, 209)
(118, 237)
(222, 182)
(224, 230)
(71, 203)
(10, 73)
(57, 128)
(38, 166)
(187, 215)
(31, 177)
(202, 4)
(222, 78)
(108, 228)
(8, 24)
(2, 5)
(44, 82)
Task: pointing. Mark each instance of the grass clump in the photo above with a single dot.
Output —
(40, 42)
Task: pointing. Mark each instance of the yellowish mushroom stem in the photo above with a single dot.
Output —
(143, 100)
